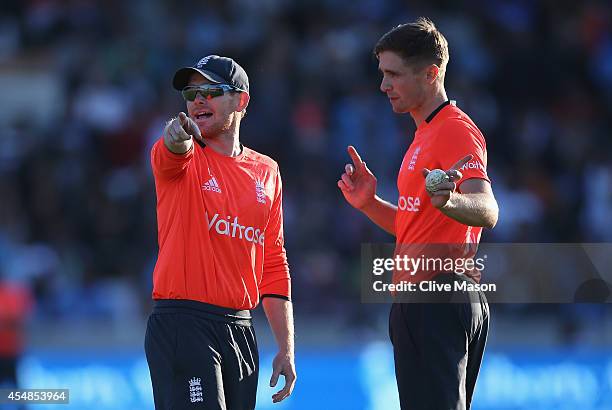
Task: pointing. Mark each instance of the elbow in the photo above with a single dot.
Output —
(490, 223)
(491, 218)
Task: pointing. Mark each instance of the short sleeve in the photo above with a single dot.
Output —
(457, 139)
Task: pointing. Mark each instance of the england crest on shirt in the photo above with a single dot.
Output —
(260, 191)
(195, 390)
(413, 160)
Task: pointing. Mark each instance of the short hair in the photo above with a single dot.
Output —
(418, 43)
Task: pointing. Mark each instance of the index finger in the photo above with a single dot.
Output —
(180, 131)
(461, 162)
(193, 129)
(355, 157)
(182, 117)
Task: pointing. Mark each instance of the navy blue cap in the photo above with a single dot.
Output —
(216, 69)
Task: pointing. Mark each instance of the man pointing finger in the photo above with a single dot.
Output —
(221, 251)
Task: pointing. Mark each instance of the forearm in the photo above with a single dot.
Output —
(382, 213)
(280, 316)
(476, 209)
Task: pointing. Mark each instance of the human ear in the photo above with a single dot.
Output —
(432, 73)
(243, 102)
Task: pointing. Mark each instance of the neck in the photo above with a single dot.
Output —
(226, 143)
(428, 106)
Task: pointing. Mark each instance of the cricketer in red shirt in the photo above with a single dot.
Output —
(220, 227)
(221, 250)
(438, 347)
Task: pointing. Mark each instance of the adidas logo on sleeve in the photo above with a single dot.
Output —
(211, 185)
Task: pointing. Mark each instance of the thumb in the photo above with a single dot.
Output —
(274, 378)
(425, 172)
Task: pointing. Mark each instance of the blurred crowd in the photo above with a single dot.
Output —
(87, 89)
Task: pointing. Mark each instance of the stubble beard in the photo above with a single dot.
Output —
(217, 129)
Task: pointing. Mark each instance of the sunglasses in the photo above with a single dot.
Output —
(206, 90)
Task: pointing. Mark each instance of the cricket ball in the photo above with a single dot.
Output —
(435, 178)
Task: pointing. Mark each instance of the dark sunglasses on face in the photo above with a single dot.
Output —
(206, 90)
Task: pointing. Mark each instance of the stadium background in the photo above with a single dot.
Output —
(86, 90)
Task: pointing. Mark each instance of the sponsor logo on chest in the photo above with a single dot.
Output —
(409, 203)
(211, 185)
(233, 229)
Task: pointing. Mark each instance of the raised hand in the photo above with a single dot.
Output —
(357, 183)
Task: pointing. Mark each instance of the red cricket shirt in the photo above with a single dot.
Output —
(220, 227)
(438, 143)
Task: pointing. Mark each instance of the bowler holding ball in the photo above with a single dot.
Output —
(438, 347)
